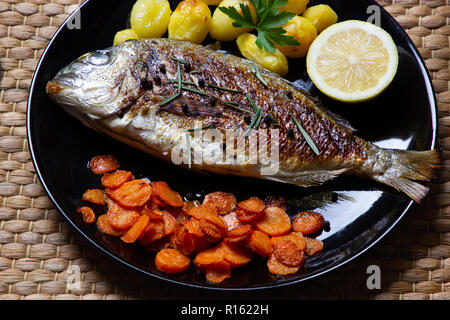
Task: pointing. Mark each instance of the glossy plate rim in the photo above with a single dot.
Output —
(434, 134)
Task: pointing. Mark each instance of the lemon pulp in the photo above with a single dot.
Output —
(352, 61)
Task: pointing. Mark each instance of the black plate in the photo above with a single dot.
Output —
(403, 117)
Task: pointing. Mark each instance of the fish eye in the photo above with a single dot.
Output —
(99, 57)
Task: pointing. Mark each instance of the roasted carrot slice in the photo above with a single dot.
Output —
(136, 230)
(169, 222)
(247, 216)
(182, 240)
(193, 226)
(171, 261)
(260, 243)
(94, 196)
(313, 246)
(119, 217)
(153, 232)
(103, 164)
(131, 194)
(308, 222)
(218, 274)
(201, 210)
(235, 254)
(239, 235)
(278, 268)
(288, 253)
(213, 226)
(232, 221)
(252, 205)
(166, 194)
(295, 237)
(274, 222)
(116, 179)
(210, 258)
(178, 213)
(105, 227)
(224, 202)
(273, 201)
(88, 214)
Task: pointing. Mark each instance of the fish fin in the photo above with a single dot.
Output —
(312, 178)
(410, 166)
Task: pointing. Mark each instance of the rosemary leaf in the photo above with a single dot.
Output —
(194, 71)
(179, 60)
(236, 107)
(277, 123)
(252, 103)
(255, 70)
(176, 95)
(183, 81)
(178, 76)
(195, 90)
(222, 88)
(256, 118)
(307, 137)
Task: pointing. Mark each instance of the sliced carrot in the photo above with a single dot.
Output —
(171, 261)
(136, 230)
(232, 221)
(188, 205)
(201, 210)
(239, 235)
(224, 202)
(103, 164)
(153, 232)
(213, 226)
(278, 268)
(313, 246)
(156, 201)
(288, 253)
(235, 254)
(178, 213)
(210, 258)
(274, 222)
(116, 179)
(247, 216)
(169, 222)
(252, 205)
(295, 237)
(273, 201)
(88, 214)
(94, 196)
(193, 226)
(218, 274)
(260, 243)
(308, 222)
(166, 194)
(182, 240)
(105, 227)
(131, 194)
(119, 217)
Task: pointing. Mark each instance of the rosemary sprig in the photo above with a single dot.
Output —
(176, 95)
(307, 137)
(194, 71)
(252, 103)
(178, 60)
(255, 70)
(195, 90)
(256, 119)
(222, 88)
(235, 106)
(277, 123)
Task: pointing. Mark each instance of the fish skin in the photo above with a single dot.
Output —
(134, 81)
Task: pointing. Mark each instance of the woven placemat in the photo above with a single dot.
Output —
(39, 252)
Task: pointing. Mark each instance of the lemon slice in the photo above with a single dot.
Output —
(352, 61)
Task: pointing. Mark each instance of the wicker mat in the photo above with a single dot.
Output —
(38, 249)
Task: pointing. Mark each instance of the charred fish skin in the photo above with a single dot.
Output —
(133, 96)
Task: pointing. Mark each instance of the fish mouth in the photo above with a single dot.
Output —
(53, 88)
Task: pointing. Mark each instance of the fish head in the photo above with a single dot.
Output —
(100, 83)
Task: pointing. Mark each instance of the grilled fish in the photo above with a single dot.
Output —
(151, 93)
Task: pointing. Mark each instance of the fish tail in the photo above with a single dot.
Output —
(406, 167)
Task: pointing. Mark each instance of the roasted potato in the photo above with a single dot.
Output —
(190, 21)
(304, 32)
(274, 61)
(150, 18)
(321, 16)
(295, 6)
(222, 28)
(212, 2)
(124, 35)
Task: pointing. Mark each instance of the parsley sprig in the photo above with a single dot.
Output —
(268, 25)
